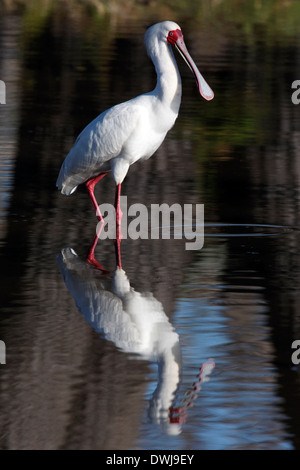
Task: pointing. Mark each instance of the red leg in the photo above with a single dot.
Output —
(90, 184)
(118, 253)
(119, 214)
(91, 255)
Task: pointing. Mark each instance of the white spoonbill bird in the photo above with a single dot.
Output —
(132, 130)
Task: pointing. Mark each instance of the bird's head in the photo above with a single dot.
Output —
(170, 33)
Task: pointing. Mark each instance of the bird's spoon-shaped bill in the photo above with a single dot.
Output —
(177, 39)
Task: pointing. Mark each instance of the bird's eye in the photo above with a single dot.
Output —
(172, 37)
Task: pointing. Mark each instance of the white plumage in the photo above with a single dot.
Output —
(133, 130)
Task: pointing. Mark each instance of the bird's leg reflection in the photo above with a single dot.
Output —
(91, 254)
(179, 414)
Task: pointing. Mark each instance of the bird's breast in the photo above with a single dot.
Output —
(150, 133)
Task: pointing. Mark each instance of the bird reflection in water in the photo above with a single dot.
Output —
(135, 322)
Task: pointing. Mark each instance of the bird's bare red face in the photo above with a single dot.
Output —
(174, 35)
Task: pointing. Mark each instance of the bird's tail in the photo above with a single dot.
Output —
(64, 183)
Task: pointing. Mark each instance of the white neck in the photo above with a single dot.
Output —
(168, 87)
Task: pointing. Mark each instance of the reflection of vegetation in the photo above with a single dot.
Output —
(280, 16)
